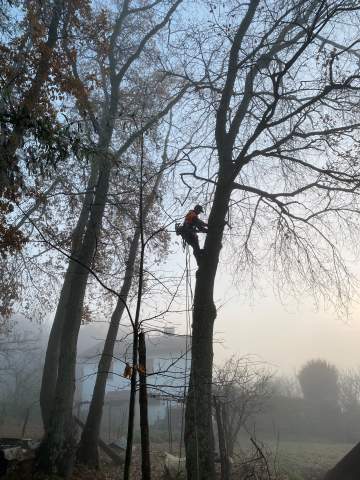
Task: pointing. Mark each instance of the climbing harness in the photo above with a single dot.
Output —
(179, 230)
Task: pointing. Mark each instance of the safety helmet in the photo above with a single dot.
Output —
(198, 209)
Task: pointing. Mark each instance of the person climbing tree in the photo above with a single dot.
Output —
(188, 231)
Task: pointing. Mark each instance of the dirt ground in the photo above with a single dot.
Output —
(108, 470)
(13, 428)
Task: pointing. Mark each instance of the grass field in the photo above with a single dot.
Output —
(298, 460)
(307, 461)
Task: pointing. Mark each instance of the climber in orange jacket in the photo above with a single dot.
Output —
(192, 224)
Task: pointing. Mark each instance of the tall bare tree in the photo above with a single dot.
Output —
(285, 170)
(57, 397)
(88, 449)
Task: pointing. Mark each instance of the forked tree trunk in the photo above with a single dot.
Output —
(49, 376)
(199, 439)
(143, 404)
(88, 453)
(57, 449)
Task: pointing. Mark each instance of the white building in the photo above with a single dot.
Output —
(167, 367)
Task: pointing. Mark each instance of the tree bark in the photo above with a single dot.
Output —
(57, 448)
(88, 449)
(199, 439)
(49, 376)
(117, 459)
(143, 403)
(224, 461)
(135, 323)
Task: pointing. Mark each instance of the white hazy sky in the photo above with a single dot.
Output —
(284, 336)
(287, 336)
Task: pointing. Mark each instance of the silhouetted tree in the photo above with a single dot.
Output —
(319, 381)
(277, 169)
(58, 385)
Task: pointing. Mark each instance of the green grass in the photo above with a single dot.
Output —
(307, 460)
(301, 460)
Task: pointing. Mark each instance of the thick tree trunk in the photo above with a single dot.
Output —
(49, 376)
(30, 99)
(88, 449)
(199, 439)
(57, 450)
(143, 403)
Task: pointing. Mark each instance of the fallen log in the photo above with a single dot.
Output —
(117, 459)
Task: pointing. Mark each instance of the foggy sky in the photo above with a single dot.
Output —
(283, 335)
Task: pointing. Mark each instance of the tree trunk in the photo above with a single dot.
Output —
(117, 459)
(30, 99)
(143, 403)
(131, 417)
(199, 439)
(57, 450)
(224, 458)
(135, 323)
(88, 452)
(49, 376)
(229, 450)
(88, 449)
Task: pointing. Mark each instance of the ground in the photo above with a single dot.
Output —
(308, 460)
(295, 460)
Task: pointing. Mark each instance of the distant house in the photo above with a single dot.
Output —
(168, 364)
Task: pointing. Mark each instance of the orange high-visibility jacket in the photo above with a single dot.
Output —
(191, 218)
(193, 222)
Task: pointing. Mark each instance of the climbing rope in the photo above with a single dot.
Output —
(189, 307)
(170, 435)
(187, 337)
